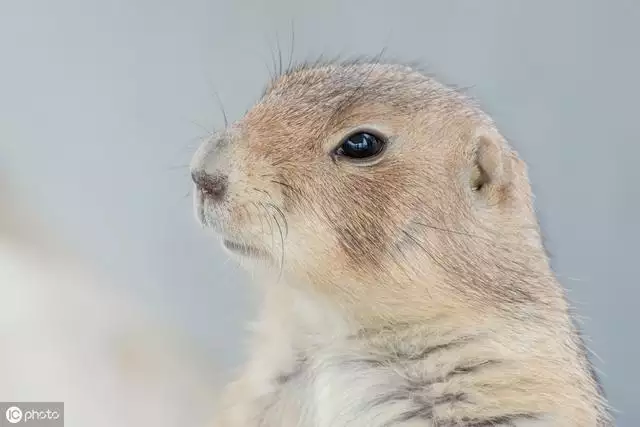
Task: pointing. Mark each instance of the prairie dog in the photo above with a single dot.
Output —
(405, 281)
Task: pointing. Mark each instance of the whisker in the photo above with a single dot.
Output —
(516, 268)
(402, 264)
(208, 131)
(281, 248)
(293, 40)
(421, 246)
(180, 200)
(259, 217)
(492, 241)
(284, 218)
(292, 189)
(193, 142)
(284, 184)
(221, 106)
(218, 101)
(262, 191)
(446, 230)
(279, 55)
(247, 213)
(352, 98)
(265, 63)
(276, 208)
(272, 68)
(268, 216)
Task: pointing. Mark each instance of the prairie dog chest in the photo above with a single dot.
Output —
(330, 389)
(343, 388)
(330, 376)
(339, 376)
(354, 391)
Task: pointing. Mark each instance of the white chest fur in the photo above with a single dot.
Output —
(350, 392)
(344, 390)
(336, 378)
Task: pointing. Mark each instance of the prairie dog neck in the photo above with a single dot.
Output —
(310, 320)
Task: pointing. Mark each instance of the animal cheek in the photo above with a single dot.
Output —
(362, 234)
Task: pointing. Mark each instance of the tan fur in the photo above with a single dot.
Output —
(396, 293)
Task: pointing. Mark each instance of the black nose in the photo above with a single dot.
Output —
(214, 186)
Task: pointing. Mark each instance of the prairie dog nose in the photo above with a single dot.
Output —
(214, 185)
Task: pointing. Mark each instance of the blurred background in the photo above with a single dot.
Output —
(102, 104)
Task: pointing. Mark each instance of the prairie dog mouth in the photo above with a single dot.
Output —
(244, 249)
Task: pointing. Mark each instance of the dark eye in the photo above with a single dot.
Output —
(360, 146)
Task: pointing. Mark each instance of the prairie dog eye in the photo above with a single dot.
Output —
(361, 145)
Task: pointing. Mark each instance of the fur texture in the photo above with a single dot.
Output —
(413, 290)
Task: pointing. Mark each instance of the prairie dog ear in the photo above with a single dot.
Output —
(492, 162)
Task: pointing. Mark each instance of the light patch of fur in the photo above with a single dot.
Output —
(410, 292)
(69, 336)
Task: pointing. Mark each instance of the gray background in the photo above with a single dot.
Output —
(98, 101)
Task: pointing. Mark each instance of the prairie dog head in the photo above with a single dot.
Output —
(376, 186)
